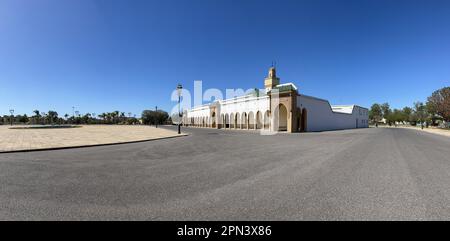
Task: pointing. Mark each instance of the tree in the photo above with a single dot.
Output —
(375, 113)
(52, 116)
(396, 116)
(36, 117)
(132, 121)
(386, 110)
(86, 118)
(407, 111)
(420, 111)
(23, 118)
(151, 117)
(439, 103)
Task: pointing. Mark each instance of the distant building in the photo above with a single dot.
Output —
(291, 111)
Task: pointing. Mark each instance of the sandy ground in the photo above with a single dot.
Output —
(26, 139)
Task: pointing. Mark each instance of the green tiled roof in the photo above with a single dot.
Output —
(284, 88)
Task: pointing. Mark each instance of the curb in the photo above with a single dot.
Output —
(93, 145)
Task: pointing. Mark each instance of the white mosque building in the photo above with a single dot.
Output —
(280, 107)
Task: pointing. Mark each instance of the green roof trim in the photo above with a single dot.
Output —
(284, 88)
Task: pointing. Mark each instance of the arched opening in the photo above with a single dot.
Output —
(259, 122)
(227, 121)
(237, 121)
(213, 120)
(251, 121)
(244, 123)
(281, 118)
(266, 124)
(303, 124)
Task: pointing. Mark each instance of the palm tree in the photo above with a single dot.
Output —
(37, 116)
(122, 116)
(114, 114)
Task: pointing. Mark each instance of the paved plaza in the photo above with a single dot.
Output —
(26, 139)
(362, 174)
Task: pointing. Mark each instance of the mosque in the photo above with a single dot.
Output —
(279, 107)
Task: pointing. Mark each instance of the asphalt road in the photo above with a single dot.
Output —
(364, 174)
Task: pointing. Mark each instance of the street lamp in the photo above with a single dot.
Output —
(12, 115)
(179, 91)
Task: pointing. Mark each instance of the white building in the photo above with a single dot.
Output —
(279, 107)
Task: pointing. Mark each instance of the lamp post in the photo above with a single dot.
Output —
(12, 115)
(156, 122)
(179, 90)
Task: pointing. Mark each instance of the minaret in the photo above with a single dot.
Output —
(271, 80)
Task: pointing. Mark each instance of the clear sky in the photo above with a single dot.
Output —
(129, 55)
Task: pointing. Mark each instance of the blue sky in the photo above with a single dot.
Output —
(129, 55)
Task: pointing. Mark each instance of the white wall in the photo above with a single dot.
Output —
(239, 105)
(320, 116)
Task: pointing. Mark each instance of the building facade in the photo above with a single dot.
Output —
(279, 107)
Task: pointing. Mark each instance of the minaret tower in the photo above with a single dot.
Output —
(271, 80)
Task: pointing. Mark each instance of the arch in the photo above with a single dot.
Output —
(281, 118)
(213, 120)
(244, 121)
(259, 120)
(227, 121)
(266, 124)
(304, 121)
(237, 121)
(251, 120)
